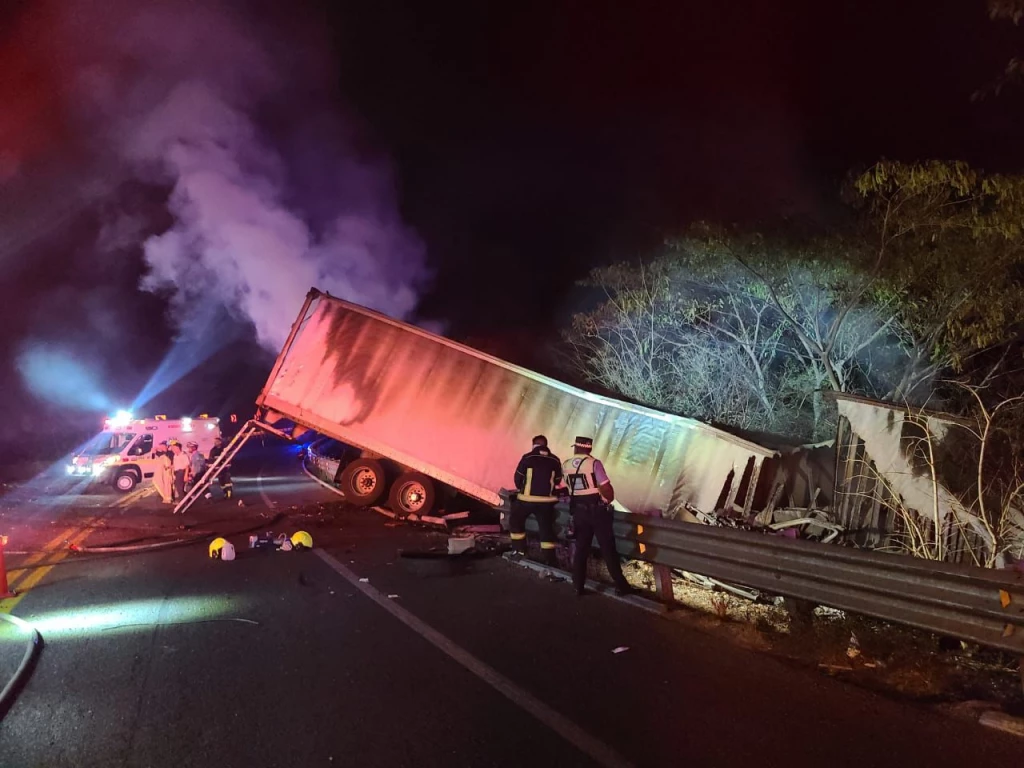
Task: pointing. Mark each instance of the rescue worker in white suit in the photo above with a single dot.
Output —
(590, 498)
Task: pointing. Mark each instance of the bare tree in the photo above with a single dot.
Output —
(726, 331)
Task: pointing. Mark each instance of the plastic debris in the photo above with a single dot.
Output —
(459, 544)
(620, 649)
(853, 649)
(364, 580)
(392, 597)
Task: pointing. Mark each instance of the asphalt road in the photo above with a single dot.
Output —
(290, 659)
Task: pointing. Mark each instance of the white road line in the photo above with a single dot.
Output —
(568, 730)
(263, 494)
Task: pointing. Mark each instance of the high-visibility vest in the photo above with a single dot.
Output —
(579, 476)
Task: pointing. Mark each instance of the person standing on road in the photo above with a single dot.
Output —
(224, 476)
(196, 464)
(163, 473)
(180, 464)
(538, 474)
(590, 497)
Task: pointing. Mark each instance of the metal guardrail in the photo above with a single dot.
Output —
(966, 602)
(976, 604)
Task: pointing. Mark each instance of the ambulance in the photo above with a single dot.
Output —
(122, 454)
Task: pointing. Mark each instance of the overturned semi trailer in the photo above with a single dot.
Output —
(427, 413)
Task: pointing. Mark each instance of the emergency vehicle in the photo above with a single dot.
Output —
(122, 454)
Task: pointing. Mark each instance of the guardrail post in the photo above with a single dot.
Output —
(663, 581)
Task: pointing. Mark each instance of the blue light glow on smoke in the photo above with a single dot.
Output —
(56, 375)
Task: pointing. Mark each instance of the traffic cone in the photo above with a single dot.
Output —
(5, 591)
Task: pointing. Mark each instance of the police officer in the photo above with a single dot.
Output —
(590, 497)
(538, 474)
(224, 476)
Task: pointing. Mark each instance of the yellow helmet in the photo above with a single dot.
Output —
(302, 539)
(217, 546)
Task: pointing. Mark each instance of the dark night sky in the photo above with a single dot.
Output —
(554, 135)
(532, 140)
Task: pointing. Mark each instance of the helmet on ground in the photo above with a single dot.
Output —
(301, 539)
(222, 549)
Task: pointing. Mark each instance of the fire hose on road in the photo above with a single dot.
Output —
(35, 643)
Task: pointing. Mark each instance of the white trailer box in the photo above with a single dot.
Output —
(464, 418)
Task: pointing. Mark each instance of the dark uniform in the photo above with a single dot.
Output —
(537, 475)
(224, 476)
(591, 514)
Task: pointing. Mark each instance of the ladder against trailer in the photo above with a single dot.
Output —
(249, 429)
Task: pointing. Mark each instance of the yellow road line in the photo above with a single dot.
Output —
(35, 575)
(32, 560)
(138, 493)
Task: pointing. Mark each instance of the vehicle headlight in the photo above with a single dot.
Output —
(111, 460)
(70, 468)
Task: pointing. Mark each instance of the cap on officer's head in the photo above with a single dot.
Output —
(584, 443)
(540, 441)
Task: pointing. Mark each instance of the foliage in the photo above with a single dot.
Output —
(745, 329)
(739, 330)
(1013, 11)
(951, 242)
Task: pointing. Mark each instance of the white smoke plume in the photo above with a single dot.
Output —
(199, 98)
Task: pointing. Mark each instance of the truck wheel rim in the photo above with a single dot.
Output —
(412, 496)
(124, 482)
(364, 481)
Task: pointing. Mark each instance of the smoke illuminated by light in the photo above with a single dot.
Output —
(186, 354)
(60, 377)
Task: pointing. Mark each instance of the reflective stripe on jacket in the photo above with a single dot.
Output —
(579, 476)
(538, 473)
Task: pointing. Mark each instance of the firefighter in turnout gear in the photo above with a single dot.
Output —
(590, 497)
(538, 474)
(224, 476)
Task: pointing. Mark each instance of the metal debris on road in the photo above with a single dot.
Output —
(620, 649)
(364, 581)
(460, 544)
(478, 529)
(392, 597)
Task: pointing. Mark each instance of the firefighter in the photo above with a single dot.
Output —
(538, 474)
(224, 476)
(590, 497)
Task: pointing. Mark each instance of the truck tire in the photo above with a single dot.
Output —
(363, 482)
(126, 480)
(412, 494)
